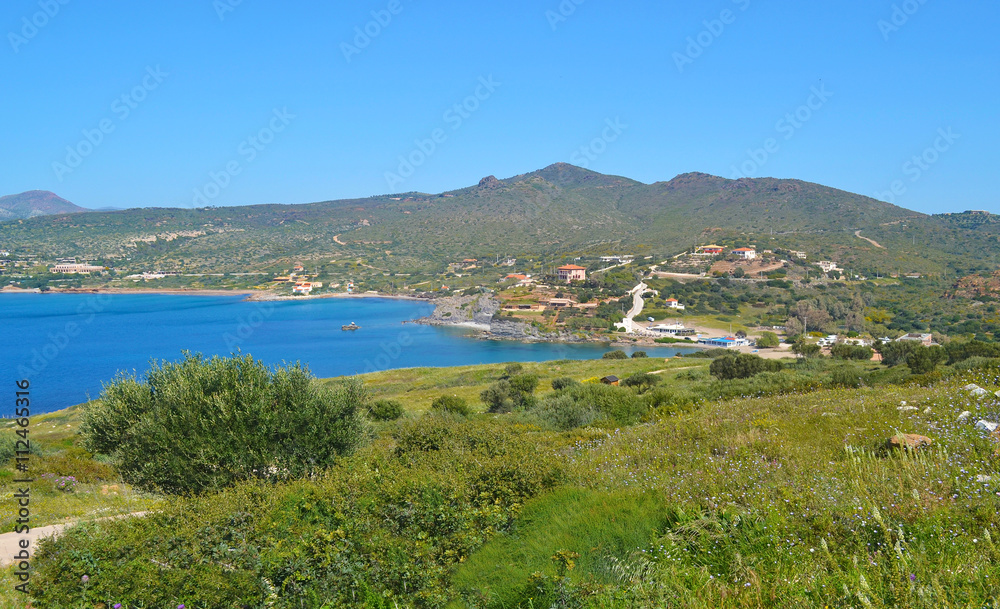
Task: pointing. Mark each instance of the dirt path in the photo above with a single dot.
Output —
(872, 241)
(337, 239)
(10, 542)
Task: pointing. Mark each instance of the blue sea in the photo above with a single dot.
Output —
(69, 345)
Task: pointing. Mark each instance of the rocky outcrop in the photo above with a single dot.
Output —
(490, 182)
(908, 441)
(480, 311)
(477, 309)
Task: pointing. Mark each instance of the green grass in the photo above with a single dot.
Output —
(418, 387)
(782, 501)
(597, 525)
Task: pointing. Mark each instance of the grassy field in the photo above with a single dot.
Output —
(418, 387)
(776, 494)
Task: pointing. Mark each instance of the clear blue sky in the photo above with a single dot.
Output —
(893, 89)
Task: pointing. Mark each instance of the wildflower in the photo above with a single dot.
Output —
(85, 578)
(118, 606)
(913, 577)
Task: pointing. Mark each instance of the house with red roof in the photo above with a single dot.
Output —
(572, 272)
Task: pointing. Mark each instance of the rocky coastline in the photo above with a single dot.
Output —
(480, 311)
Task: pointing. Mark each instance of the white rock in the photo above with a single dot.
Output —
(903, 403)
(906, 408)
(971, 387)
(989, 426)
(927, 410)
(982, 478)
(965, 415)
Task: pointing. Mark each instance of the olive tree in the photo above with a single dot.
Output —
(203, 424)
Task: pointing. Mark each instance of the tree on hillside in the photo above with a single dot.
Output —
(896, 352)
(925, 359)
(768, 340)
(199, 425)
(806, 349)
(643, 381)
(742, 366)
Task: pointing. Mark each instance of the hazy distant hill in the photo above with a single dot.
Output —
(559, 210)
(35, 203)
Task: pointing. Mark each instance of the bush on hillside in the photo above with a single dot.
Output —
(925, 359)
(958, 352)
(639, 355)
(642, 381)
(619, 354)
(896, 352)
(451, 404)
(851, 352)
(563, 383)
(507, 395)
(199, 425)
(742, 366)
(768, 340)
(386, 410)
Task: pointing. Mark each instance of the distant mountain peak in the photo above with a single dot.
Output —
(35, 203)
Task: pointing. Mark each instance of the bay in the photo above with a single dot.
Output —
(68, 345)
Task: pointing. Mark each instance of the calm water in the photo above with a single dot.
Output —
(68, 345)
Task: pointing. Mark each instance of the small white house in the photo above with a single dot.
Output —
(745, 253)
(673, 303)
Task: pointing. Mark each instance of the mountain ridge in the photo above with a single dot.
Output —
(34, 203)
(558, 210)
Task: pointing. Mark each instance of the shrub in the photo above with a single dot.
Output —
(199, 425)
(619, 354)
(563, 383)
(848, 376)
(563, 413)
(897, 352)
(958, 352)
(742, 366)
(512, 369)
(923, 360)
(768, 340)
(451, 404)
(643, 381)
(510, 394)
(851, 352)
(639, 355)
(805, 349)
(386, 410)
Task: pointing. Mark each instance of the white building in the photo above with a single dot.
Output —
(827, 266)
(673, 303)
(73, 269)
(671, 330)
(745, 253)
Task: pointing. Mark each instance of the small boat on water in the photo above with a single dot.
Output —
(351, 326)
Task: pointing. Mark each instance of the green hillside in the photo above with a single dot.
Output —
(556, 211)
